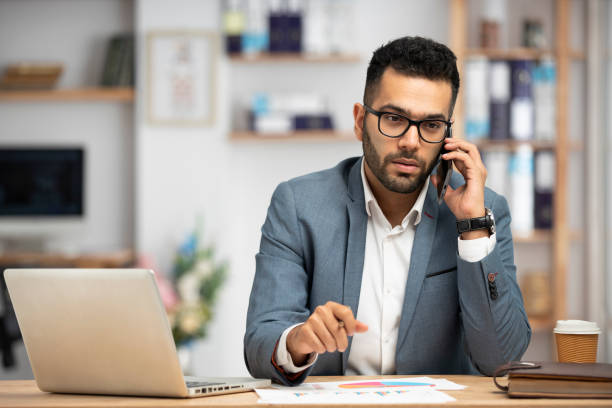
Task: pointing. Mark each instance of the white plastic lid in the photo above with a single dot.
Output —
(576, 327)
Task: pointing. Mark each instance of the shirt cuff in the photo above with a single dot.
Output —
(474, 250)
(283, 358)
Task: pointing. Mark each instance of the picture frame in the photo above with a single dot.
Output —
(181, 77)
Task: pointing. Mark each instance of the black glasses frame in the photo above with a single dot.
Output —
(411, 122)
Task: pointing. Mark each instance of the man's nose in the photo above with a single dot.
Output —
(410, 139)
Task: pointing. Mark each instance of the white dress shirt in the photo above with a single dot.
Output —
(383, 285)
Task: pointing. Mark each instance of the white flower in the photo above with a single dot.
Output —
(188, 287)
(203, 268)
(191, 319)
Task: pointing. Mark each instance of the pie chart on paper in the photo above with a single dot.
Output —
(385, 384)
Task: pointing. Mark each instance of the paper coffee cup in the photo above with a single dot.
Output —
(576, 341)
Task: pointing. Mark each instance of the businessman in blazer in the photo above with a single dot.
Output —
(362, 271)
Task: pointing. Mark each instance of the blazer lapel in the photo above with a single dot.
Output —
(357, 229)
(421, 251)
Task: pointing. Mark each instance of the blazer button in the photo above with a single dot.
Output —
(492, 286)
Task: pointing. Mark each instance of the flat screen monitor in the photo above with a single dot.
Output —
(41, 181)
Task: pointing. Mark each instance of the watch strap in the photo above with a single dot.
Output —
(478, 223)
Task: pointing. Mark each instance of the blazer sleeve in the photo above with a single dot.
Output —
(279, 296)
(493, 316)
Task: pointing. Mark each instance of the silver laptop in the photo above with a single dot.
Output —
(103, 331)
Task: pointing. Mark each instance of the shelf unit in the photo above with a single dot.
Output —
(67, 95)
(560, 236)
(521, 53)
(535, 145)
(298, 135)
(293, 57)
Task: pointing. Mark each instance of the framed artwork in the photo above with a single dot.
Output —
(181, 76)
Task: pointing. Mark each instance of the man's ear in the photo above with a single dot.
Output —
(358, 115)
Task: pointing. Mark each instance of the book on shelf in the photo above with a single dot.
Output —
(521, 101)
(118, 67)
(285, 31)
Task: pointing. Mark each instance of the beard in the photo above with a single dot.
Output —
(402, 183)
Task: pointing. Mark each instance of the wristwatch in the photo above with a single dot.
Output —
(472, 224)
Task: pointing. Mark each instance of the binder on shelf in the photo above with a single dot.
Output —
(499, 106)
(545, 97)
(497, 162)
(521, 103)
(522, 190)
(544, 189)
(476, 98)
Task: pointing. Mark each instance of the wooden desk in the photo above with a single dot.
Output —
(480, 393)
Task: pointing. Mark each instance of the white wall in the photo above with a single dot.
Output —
(74, 33)
(185, 172)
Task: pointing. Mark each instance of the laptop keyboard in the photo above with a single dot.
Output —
(200, 383)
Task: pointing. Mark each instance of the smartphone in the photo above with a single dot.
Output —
(445, 171)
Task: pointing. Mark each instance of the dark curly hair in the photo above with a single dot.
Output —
(413, 56)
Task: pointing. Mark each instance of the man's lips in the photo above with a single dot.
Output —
(406, 165)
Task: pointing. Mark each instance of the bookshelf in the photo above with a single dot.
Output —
(69, 94)
(521, 53)
(561, 236)
(293, 58)
(536, 145)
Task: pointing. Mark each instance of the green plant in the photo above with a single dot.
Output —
(197, 279)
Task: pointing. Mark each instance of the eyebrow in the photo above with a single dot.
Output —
(405, 112)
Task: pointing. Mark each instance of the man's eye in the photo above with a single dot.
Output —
(433, 125)
(393, 118)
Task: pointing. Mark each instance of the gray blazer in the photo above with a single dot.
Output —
(312, 249)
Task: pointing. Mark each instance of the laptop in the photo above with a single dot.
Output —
(103, 331)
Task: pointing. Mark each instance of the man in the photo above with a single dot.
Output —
(364, 249)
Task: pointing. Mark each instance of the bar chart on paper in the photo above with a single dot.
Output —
(402, 390)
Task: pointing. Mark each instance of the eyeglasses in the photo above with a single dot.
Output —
(394, 125)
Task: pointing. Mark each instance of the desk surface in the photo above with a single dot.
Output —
(481, 392)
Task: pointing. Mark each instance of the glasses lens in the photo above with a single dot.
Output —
(392, 125)
(432, 130)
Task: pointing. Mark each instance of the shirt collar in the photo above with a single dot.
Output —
(415, 212)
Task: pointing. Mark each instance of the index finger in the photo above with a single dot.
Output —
(469, 148)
